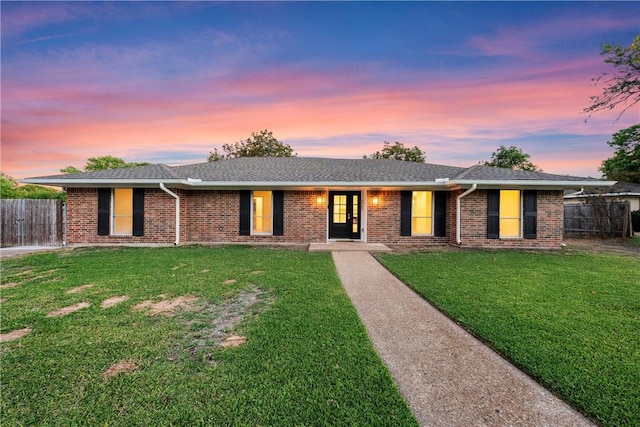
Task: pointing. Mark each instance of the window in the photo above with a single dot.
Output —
(512, 213)
(340, 209)
(122, 221)
(510, 209)
(262, 212)
(121, 211)
(421, 213)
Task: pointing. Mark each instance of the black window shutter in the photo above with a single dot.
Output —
(138, 211)
(440, 214)
(406, 198)
(530, 214)
(278, 213)
(104, 206)
(493, 214)
(245, 212)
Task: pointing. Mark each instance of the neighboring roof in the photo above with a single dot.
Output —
(619, 189)
(305, 172)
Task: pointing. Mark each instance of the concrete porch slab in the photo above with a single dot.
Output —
(348, 247)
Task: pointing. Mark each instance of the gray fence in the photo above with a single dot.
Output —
(598, 216)
(31, 222)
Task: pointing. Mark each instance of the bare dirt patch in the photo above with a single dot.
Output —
(257, 272)
(22, 273)
(9, 285)
(68, 310)
(2, 300)
(126, 366)
(166, 306)
(14, 335)
(233, 341)
(174, 268)
(110, 302)
(229, 281)
(611, 246)
(78, 289)
(215, 323)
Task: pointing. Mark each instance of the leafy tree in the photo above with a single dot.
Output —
(511, 158)
(398, 151)
(103, 163)
(11, 190)
(262, 144)
(8, 187)
(625, 163)
(622, 88)
(70, 170)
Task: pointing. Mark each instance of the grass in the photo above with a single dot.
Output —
(307, 360)
(570, 320)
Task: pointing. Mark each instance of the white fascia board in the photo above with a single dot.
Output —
(583, 195)
(517, 183)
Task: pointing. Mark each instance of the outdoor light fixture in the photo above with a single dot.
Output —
(319, 200)
(375, 201)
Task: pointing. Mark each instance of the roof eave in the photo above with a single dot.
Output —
(523, 183)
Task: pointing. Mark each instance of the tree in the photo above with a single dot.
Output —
(623, 87)
(511, 158)
(70, 170)
(262, 144)
(9, 189)
(103, 163)
(625, 163)
(398, 151)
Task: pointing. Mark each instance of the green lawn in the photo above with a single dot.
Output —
(569, 319)
(307, 360)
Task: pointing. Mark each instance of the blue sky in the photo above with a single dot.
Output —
(167, 82)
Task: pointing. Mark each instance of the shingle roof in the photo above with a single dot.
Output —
(310, 169)
(290, 171)
(489, 173)
(157, 171)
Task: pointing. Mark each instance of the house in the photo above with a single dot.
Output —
(576, 203)
(620, 191)
(316, 200)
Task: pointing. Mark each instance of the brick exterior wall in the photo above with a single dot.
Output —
(213, 217)
(82, 218)
(550, 223)
(383, 221)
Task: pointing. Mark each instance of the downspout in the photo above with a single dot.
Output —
(175, 196)
(458, 219)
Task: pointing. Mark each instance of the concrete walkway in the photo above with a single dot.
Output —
(448, 377)
(25, 250)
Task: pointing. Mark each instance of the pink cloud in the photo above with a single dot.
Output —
(457, 121)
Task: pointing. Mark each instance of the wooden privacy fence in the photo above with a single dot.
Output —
(598, 216)
(31, 222)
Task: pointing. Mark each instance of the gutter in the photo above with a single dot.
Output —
(175, 196)
(458, 219)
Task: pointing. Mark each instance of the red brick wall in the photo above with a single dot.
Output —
(82, 218)
(213, 217)
(549, 224)
(383, 221)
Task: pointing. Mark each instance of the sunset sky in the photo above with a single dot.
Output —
(167, 82)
